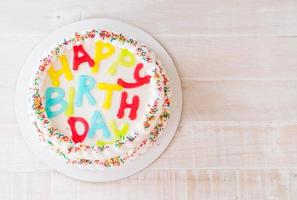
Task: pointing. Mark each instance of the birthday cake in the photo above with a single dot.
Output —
(99, 99)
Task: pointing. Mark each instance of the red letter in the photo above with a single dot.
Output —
(133, 106)
(75, 136)
(139, 80)
(77, 60)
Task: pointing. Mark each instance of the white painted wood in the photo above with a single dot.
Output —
(154, 184)
(237, 138)
(161, 17)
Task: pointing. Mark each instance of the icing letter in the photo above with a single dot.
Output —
(97, 122)
(69, 109)
(55, 74)
(75, 136)
(102, 143)
(125, 58)
(119, 133)
(85, 85)
(133, 106)
(77, 60)
(139, 80)
(109, 88)
(102, 51)
(52, 101)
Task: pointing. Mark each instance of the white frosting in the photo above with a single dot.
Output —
(149, 95)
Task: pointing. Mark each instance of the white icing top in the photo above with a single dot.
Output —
(143, 131)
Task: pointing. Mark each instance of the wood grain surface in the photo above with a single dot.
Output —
(238, 135)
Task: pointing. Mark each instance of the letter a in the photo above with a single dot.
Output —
(77, 60)
(97, 122)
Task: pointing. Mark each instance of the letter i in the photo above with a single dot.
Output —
(70, 105)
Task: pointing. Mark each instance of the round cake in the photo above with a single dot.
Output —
(99, 99)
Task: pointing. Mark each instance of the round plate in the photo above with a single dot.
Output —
(52, 160)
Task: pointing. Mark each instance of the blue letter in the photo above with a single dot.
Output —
(97, 122)
(86, 83)
(51, 101)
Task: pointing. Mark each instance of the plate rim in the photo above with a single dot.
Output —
(110, 174)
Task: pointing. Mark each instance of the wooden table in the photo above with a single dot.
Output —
(238, 64)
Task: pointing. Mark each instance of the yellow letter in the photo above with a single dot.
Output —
(101, 54)
(55, 74)
(125, 59)
(119, 133)
(69, 109)
(101, 143)
(108, 95)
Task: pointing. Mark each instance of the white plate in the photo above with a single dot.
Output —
(52, 160)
